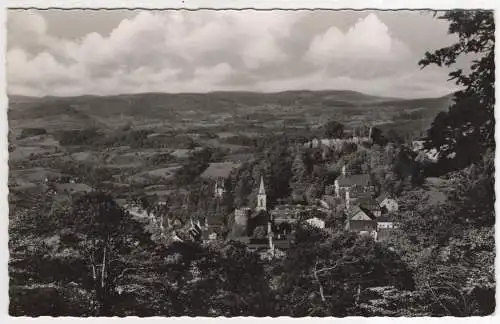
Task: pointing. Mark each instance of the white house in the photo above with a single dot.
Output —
(316, 222)
(390, 204)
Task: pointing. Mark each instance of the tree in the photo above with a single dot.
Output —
(333, 129)
(323, 275)
(196, 164)
(299, 176)
(467, 129)
(394, 137)
(348, 148)
(245, 288)
(378, 137)
(260, 231)
(103, 233)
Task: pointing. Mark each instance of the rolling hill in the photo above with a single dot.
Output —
(108, 112)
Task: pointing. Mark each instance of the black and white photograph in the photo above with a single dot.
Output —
(250, 163)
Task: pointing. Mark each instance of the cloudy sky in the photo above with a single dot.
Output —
(111, 52)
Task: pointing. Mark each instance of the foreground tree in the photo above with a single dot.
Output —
(325, 275)
(106, 237)
(467, 129)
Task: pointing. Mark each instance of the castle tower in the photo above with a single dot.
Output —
(219, 189)
(216, 190)
(347, 199)
(344, 172)
(261, 197)
(370, 133)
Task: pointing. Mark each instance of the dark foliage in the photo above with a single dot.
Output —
(467, 129)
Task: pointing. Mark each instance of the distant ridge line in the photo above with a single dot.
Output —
(388, 98)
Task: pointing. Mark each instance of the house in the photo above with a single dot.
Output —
(369, 204)
(363, 221)
(359, 219)
(213, 228)
(213, 221)
(286, 214)
(356, 183)
(385, 226)
(385, 222)
(241, 216)
(316, 222)
(387, 203)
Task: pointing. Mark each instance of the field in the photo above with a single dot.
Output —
(144, 139)
(212, 110)
(219, 170)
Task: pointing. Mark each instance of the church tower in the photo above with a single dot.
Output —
(261, 197)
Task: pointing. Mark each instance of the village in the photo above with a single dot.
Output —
(351, 201)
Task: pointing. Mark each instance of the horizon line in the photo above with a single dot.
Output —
(226, 91)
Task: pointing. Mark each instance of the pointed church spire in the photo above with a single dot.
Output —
(261, 197)
(262, 191)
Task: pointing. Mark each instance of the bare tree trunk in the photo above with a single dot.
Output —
(94, 271)
(321, 290)
(104, 269)
(358, 292)
(103, 287)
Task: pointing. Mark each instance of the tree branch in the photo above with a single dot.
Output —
(437, 299)
(129, 269)
(336, 265)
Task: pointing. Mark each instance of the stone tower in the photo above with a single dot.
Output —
(219, 189)
(261, 197)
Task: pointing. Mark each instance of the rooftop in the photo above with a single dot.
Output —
(368, 203)
(385, 218)
(354, 180)
(382, 197)
(354, 210)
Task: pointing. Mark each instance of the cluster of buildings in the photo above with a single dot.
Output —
(271, 231)
(352, 201)
(364, 213)
(262, 229)
(337, 143)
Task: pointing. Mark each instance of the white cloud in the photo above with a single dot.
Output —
(148, 43)
(369, 39)
(27, 23)
(180, 51)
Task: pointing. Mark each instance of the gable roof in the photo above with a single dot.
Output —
(357, 213)
(214, 221)
(264, 214)
(282, 244)
(382, 197)
(368, 203)
(385, 218)
(354, 180)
